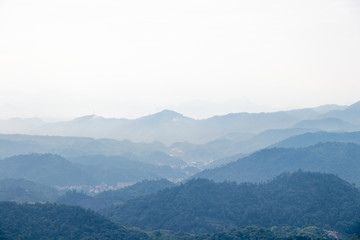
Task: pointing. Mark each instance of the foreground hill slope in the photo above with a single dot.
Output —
(299, 199)
(50, 221)
(342, 159)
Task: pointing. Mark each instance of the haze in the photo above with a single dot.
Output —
(64, 59)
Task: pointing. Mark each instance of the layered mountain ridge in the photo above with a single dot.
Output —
(169, 127)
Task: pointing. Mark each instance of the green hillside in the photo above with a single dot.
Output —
(139, 189)
(113, 197)
(51, 221)
(201, 206)
(21, 190)
(48, 169)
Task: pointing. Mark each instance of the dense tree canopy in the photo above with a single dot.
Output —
(201, 206)
(51, 221)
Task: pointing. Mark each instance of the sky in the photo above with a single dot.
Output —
(63, 59)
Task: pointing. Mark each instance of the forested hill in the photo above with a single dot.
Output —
(21, 190)
(48, 169)
(202, 206)
(50, 221)
(342, 159)
(108, 198)
(141, 188)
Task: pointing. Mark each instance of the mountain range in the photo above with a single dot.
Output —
(242, 173)
(170, 127)
(54, 170)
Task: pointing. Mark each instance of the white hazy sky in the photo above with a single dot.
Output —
(117, 58)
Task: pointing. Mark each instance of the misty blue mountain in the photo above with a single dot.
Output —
(342, 159)
(54, 170)
(113, 197)
(281, 175)
(170, 127)
(308, 139)
(21, 190)
(179, 120)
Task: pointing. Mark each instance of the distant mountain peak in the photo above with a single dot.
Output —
(323, 109)
(164, 115)
(87, 118)
(171, 113)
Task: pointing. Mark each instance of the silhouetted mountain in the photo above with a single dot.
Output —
(20, 125)
(351, 114)
(204, 153)
(166, 126)
(14, 144)
(312, 113)
(197, 142)
(299, 199)
(164, 116)
(271, 136)
(53, 170)
(21, 190)
(73, 198)
(223, 161)
(113, 197)
(308, 139)
(169, 127)
(48, 169)
(328, 108)
(139, 189)
(50, 221)
(156, 158)
(177, 155)
(342, 159)
(239, 136)
(76, 147)
(327, 124)
(223, 148)
(114, 169)
(305, 113)
(10, 147)
(247, 122)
